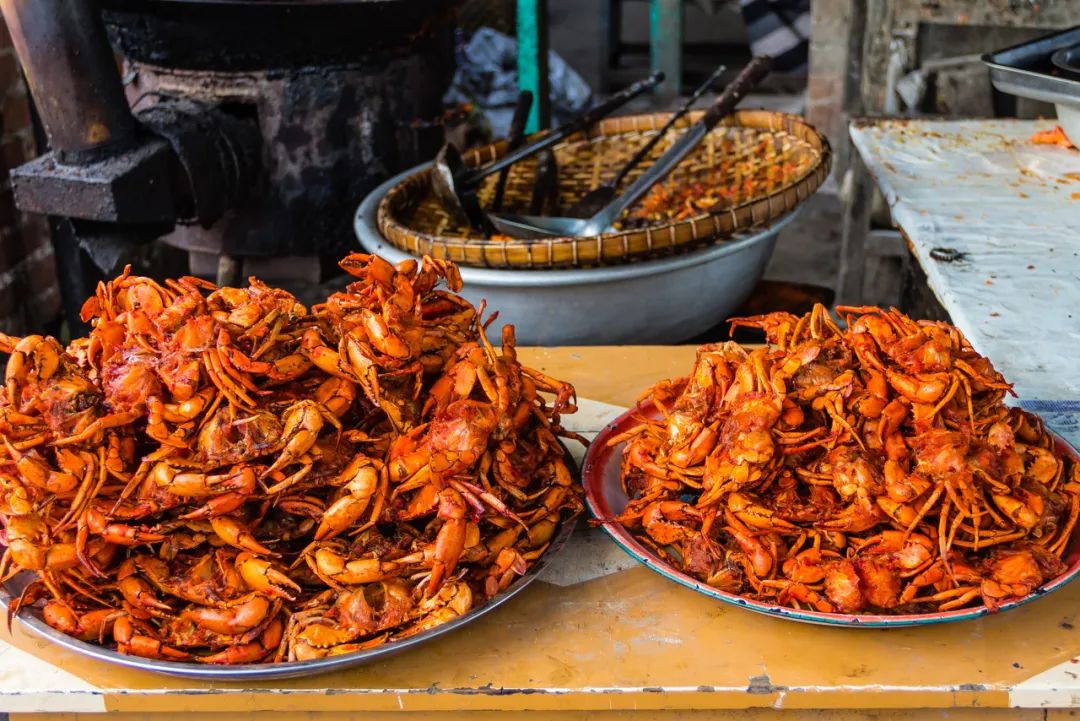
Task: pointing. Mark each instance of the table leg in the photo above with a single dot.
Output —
(532, 37)
(856, 227)
(665, 45)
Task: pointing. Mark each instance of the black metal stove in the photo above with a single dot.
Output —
(254, 129)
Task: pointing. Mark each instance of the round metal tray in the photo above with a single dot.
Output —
(31, 619)
(606, 499)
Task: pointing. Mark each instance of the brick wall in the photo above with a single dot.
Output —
(29, 297)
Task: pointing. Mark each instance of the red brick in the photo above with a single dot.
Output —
(16, 112)
(8, 216)
(42, 272)
(34, 225)
(9, 72)
(29, 145)
(39, 224)
(5, 36)
(8, 301)
(12, 153)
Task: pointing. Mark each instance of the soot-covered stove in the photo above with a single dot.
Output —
(241, 131)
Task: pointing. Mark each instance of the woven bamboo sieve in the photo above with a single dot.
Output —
(766, 162)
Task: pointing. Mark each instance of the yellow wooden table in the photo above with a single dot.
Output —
(598, 634)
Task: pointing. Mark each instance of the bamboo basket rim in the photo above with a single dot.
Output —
(604, 248)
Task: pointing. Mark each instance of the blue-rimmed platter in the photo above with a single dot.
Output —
(606, 499)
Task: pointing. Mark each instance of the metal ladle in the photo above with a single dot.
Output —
(530, 226)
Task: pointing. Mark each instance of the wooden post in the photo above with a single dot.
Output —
(665, 45)
(855, 228)
(532, 37)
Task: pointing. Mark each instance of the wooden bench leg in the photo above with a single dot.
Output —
(856, 227)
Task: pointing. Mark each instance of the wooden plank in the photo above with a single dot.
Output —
(856, 225)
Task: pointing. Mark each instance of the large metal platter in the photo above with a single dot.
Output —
(606, 499)
(31, 619)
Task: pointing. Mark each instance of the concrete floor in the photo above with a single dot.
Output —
(808, 250)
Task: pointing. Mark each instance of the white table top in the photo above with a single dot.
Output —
(1012, 209)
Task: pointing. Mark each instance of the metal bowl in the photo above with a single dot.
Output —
(606, 499)
(31, 619)
(653, 301)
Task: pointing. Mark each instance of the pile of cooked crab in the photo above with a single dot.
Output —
(869, 469)
(223, 475)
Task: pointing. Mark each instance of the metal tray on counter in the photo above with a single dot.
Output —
(1027, 71)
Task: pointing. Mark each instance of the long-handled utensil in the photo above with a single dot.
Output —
(545, 191)
(529, 226)
(514, 138)
(453, 181)
(594, 201)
